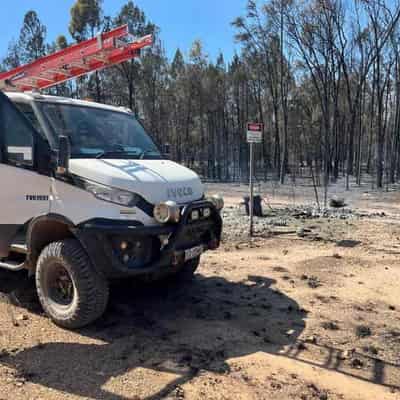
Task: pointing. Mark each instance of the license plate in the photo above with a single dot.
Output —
(193, 252)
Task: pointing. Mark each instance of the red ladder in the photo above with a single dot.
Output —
(109, 48)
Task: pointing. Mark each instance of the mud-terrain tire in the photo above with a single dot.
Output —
(70, 290)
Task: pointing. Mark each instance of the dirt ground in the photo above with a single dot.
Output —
(280, 317)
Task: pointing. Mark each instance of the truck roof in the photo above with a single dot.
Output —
(29, 97)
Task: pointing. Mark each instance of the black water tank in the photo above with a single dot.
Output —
(257, 207)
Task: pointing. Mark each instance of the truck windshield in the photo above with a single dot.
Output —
(98, 133)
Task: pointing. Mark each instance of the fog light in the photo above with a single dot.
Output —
(124, 245)
(195, 215)
(166, 212)
(206, 212)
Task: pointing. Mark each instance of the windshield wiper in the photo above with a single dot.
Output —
(112, 153)
(144, 153)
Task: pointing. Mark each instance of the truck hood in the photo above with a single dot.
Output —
(154, 180)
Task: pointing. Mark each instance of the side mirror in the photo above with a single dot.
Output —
(64, 154)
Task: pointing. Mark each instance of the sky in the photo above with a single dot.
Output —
(181, 21)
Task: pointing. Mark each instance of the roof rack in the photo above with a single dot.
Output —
(106, 49)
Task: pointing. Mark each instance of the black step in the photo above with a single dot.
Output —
(11, 265)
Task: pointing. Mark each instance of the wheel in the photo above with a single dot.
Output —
(71, 292)
(186, 273)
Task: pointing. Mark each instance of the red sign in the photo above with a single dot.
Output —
(254, 132)
(255, 127)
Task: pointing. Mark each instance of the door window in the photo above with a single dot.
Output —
(16, 134)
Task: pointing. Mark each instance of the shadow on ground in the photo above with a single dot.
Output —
(180, 330)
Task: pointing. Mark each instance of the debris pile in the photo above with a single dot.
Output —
(286, 220)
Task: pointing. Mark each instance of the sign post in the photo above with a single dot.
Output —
(254, 135)
(251, 209)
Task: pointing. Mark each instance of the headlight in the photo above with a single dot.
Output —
(111, 195)
(167, 212)
(218, 201)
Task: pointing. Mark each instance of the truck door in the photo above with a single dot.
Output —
(24, 193)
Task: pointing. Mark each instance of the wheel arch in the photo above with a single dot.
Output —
(44, 230)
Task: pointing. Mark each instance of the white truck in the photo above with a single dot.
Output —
(87, 197)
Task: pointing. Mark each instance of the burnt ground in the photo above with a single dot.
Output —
(308, 309)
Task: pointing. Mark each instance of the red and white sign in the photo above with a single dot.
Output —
(254, 132)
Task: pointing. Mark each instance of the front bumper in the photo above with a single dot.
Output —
(97, 237)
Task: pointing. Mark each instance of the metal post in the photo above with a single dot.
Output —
(251, 205)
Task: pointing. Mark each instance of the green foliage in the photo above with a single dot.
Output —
(61, 42)
(85, 19)
(32, 39)
(135, 18)
(178, 65)
(13, 57)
